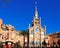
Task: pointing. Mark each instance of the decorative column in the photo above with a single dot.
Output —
(0, 23)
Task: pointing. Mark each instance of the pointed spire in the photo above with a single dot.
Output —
(36, 11)
(29, 25)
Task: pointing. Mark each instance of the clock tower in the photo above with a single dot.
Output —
(36, 32)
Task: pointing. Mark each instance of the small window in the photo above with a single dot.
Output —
(7, 36)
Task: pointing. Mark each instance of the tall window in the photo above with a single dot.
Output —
(31, 42)
(7, 36)
(25, 41)
(32, 32)
(2, 36)
(37, 42)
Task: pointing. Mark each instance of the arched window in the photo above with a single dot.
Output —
(2, 36)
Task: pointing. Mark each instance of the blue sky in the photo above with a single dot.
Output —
(19, 13)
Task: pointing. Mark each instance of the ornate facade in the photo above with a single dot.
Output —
(36, 32)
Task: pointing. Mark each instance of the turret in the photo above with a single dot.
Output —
(36, 11)
(29, 25)
(0, 23)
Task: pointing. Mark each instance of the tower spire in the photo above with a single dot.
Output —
(36, 11)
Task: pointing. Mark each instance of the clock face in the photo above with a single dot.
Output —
(37, 29)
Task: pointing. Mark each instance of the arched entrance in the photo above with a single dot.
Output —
(8, 44)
